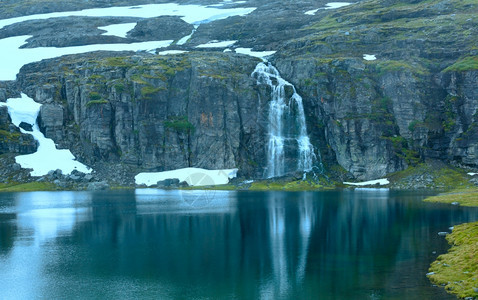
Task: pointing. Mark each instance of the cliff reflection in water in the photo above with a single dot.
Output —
(216, 244)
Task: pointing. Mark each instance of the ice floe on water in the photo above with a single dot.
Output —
(119, 30)
(193, 176)
(47, 157)
(217, 44)
(330, 5)
(383, 181)
(369, 57)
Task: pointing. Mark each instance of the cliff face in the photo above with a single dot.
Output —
(415, 101)
(138, 112)
(153, 113)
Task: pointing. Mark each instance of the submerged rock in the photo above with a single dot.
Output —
(96, 186)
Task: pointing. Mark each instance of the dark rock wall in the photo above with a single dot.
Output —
(154, 113)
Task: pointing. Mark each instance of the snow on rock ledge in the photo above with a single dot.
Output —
(193, 176)
(383, 181)
(47, 157)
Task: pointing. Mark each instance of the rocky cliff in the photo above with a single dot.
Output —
(132, 112)
(153, 113)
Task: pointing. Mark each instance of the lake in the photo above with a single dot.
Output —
(362, 244)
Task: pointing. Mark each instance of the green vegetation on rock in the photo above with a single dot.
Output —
(458, 269)
(27, 187)
(96, 102)
(465, 64)
(179, 124)
(464, 197)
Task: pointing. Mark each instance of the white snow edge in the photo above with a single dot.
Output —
(193, 176)
(383, 181)
(369, 57)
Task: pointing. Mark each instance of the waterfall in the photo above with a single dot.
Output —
(289, 148)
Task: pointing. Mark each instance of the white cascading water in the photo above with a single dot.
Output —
(286, 126)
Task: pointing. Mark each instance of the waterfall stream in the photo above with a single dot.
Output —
(289, 148)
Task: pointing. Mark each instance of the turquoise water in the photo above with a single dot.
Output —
(367, 244)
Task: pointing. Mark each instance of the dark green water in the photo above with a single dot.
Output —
(371, 244)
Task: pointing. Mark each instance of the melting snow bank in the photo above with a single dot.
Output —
(217, 44)
(119, 30)
(47, 157)
(260, 54)
(193, 176)
(369, 57)
(383, 181)
(330, 5)
(14, 58)
(171, 52)
(193, 14)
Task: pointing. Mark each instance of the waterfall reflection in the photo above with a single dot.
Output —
(203, 244)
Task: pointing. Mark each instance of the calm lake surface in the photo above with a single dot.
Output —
(367, 244)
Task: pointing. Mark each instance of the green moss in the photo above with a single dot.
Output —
(8, 136)
(120, 88)
(444, 176)
(97, 77)
(179, 124)
(465, 197)
(117, 62)
(393, 66)
(94, 96)
(458, 269)
(465, 64)
(28, 187)
(96, 102)
(148, 90)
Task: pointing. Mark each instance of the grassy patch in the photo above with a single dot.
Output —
(466, 64)
(28, 187)
(179, 124)
(149, 90)
(443, 176)
(458, 269)
(297, 185)
(96, 102)
(466, 197)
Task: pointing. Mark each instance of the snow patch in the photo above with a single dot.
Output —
(171, 52)
(260, 54)
(217, 44)
(383, 181)
(334, 5)
(330, 5)
(472, 174)
(185, 39)
(311, 12)
(193, 176)
(47, 157)
(369, 57)
(193, 14)
(14, 58)
(119, 30)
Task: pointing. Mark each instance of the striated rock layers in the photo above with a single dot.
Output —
(153, 113)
